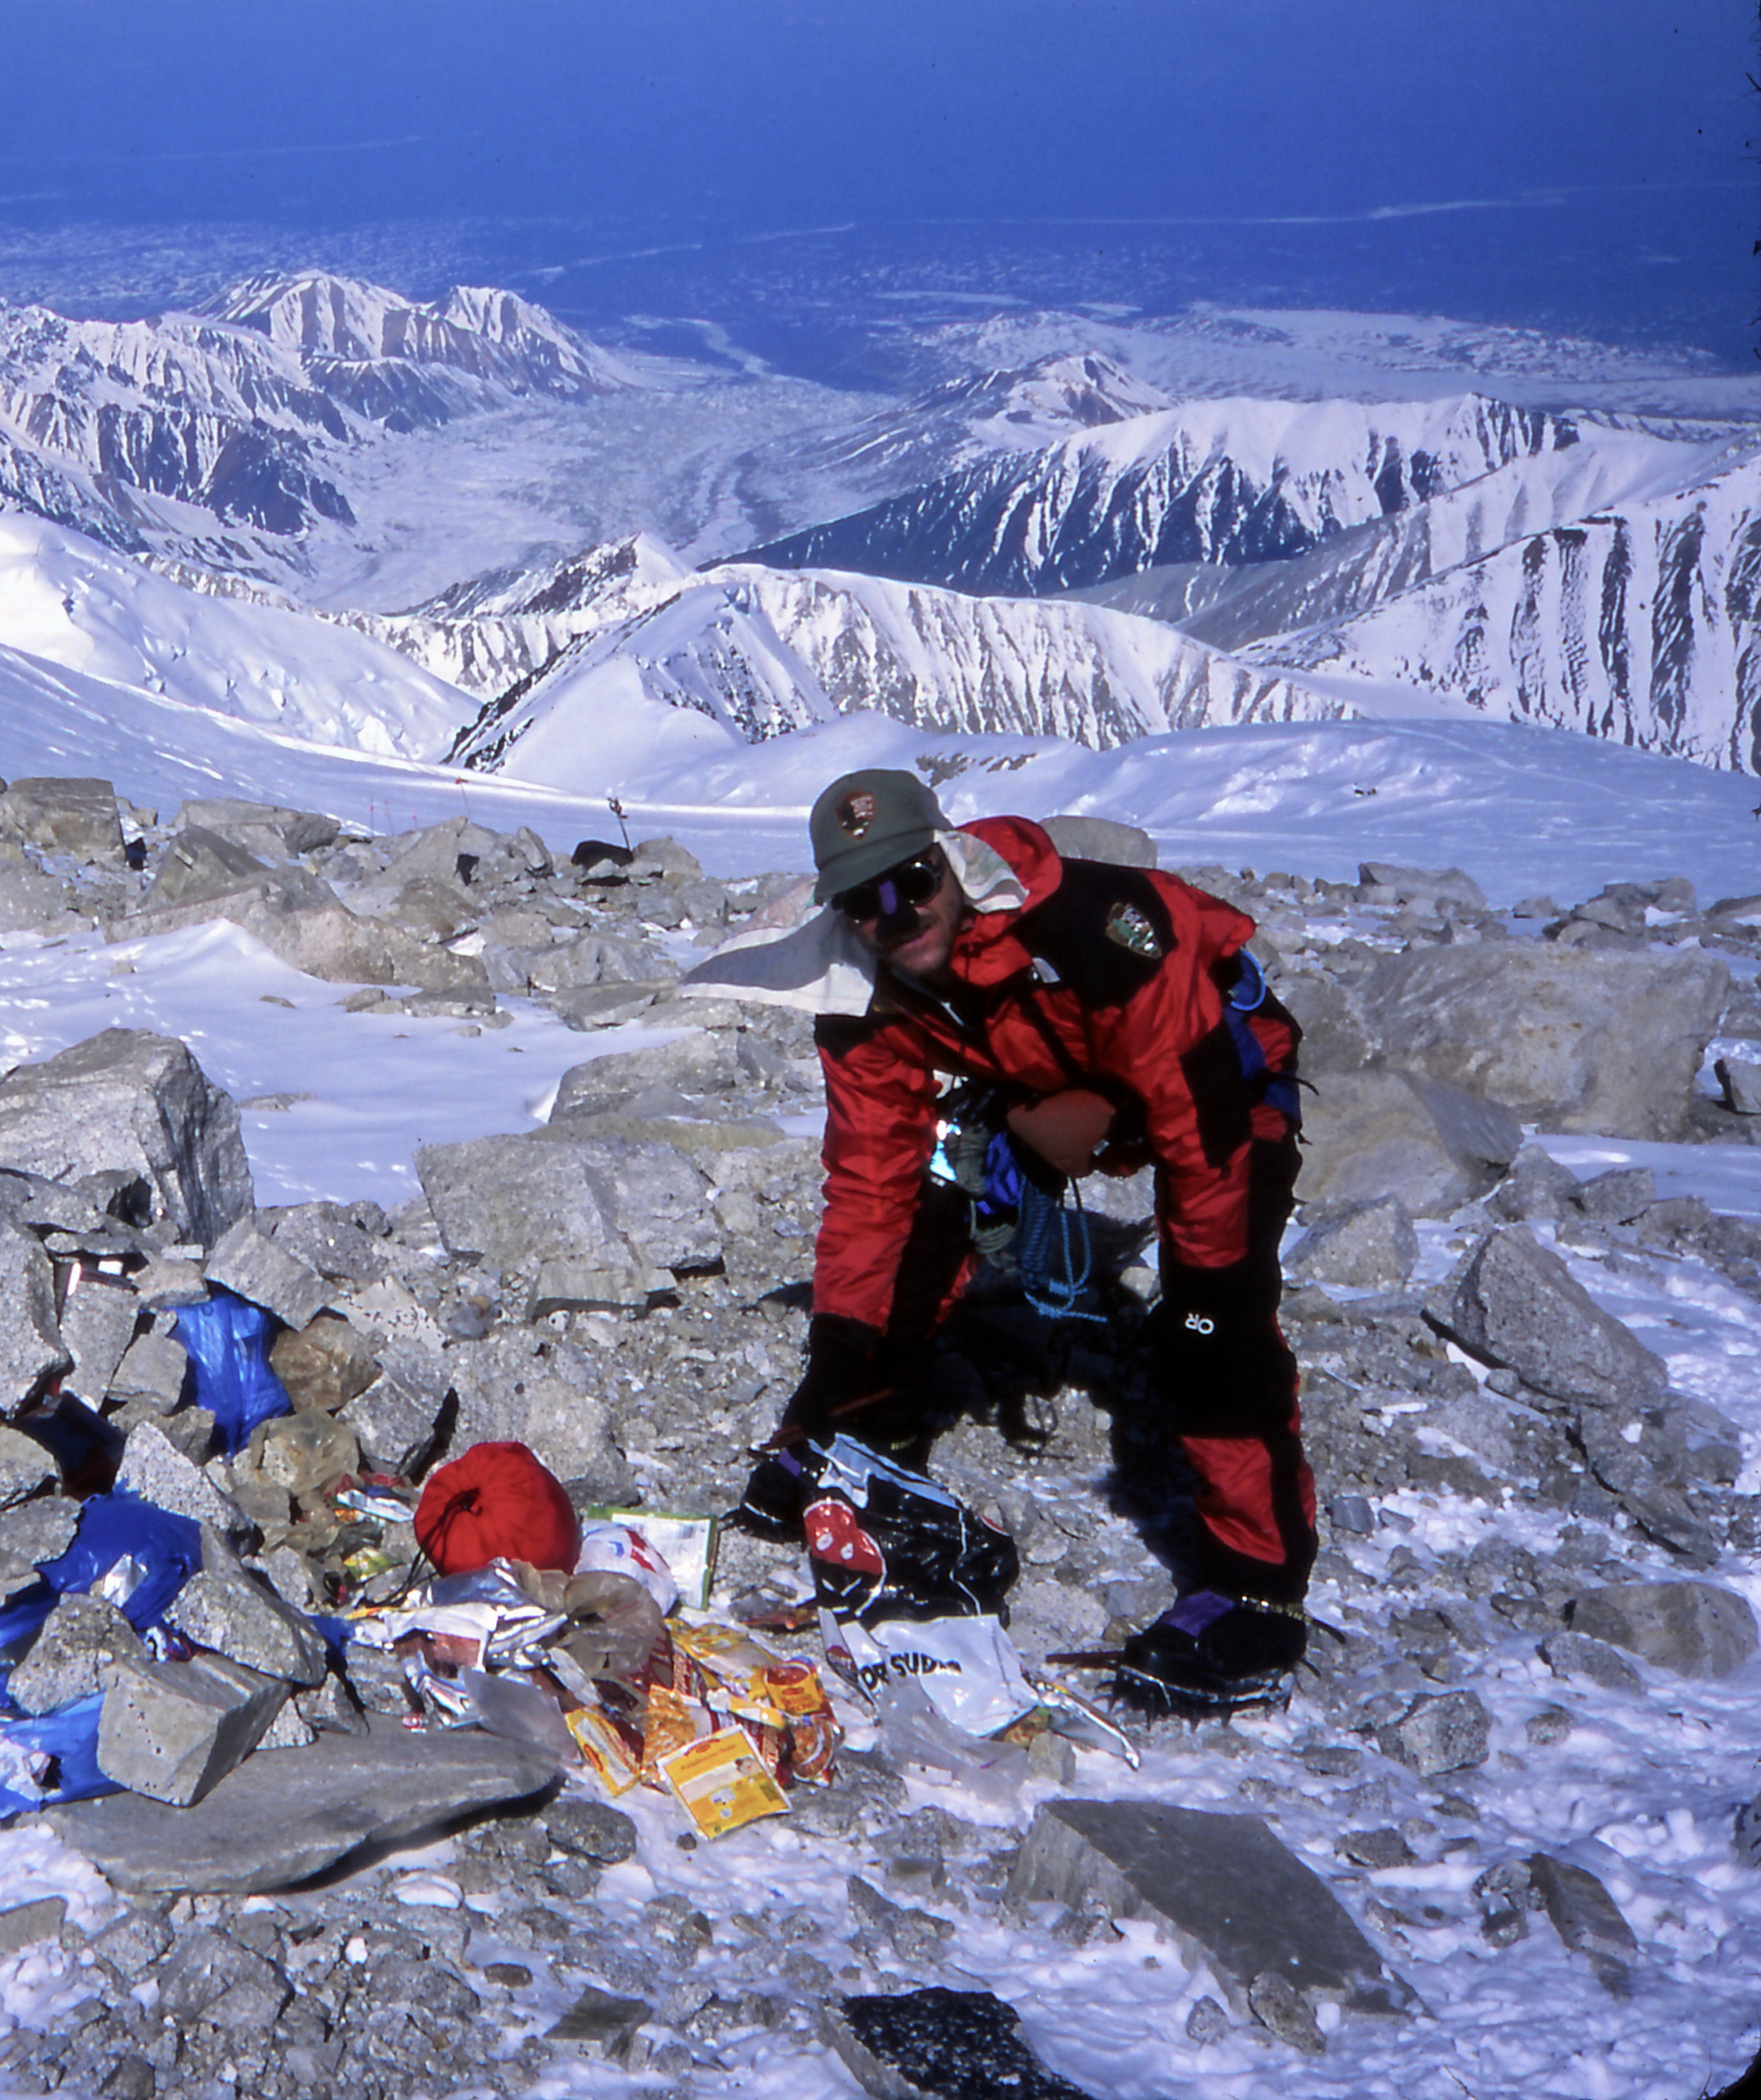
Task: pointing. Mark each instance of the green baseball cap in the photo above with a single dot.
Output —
(868, 822)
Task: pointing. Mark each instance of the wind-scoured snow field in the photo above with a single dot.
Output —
(178, 650)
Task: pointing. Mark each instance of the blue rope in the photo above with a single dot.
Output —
(1054, 1291)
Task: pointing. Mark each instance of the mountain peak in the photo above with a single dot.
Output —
(477, 332)
(316, 314)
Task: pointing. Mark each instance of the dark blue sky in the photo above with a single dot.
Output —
(1604, 135)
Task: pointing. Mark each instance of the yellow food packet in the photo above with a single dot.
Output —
(777, 1695)
(721, 1783)
(603, 1750)
(672, 1721)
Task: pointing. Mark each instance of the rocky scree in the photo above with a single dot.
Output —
(626, 1289)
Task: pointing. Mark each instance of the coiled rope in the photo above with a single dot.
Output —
(1054, 1252)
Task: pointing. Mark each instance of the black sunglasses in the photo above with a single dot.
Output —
(912, 882)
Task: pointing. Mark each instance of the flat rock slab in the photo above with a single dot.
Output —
(284, 1815)
(1227, 1892)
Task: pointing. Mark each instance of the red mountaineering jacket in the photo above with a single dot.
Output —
(1114, 979)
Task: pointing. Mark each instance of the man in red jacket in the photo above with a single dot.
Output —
(1117, 1012)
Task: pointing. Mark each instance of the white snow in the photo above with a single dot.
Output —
(71, 602)
(333, 1103)
(1527, 810)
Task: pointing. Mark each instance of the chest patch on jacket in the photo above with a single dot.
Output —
(1130, 927)
(1105, 932)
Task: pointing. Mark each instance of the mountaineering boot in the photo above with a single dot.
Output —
(1210, 1654)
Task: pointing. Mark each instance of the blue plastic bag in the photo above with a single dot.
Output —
(227, 1340)
(119, 1527)
(70, 1736)
(166, 1550)
(115, 1527)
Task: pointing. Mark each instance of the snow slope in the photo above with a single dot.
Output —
(68, 601)
(1526, 810)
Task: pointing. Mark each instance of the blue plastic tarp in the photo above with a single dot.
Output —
(166, 1550)
(70, 1736)
(228, 1341)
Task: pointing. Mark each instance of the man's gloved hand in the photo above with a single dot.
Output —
(1219, 1355)
(1066, 1129)
(840, 1354)
(841, 1357)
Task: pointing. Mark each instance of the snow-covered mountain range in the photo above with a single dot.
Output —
(958, 423)
(212, 436)
(1051, 547)
(1637, 622)
(1230, 481)
(761, 653)
(490, 633)
(402, 362)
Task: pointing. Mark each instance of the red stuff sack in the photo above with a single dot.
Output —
(497, 1503)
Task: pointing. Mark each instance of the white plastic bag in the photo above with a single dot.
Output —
(967, 1668)
(914, 1732)
(620, 1549)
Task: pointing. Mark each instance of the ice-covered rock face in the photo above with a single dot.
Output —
(475, 333)
(191, 411)
(1231, 482)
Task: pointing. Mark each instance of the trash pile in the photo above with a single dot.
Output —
(145, 1655)
(594, 1641)
(222, 1529)
(580, 1640)
(140, 1651)
(911, 1586)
